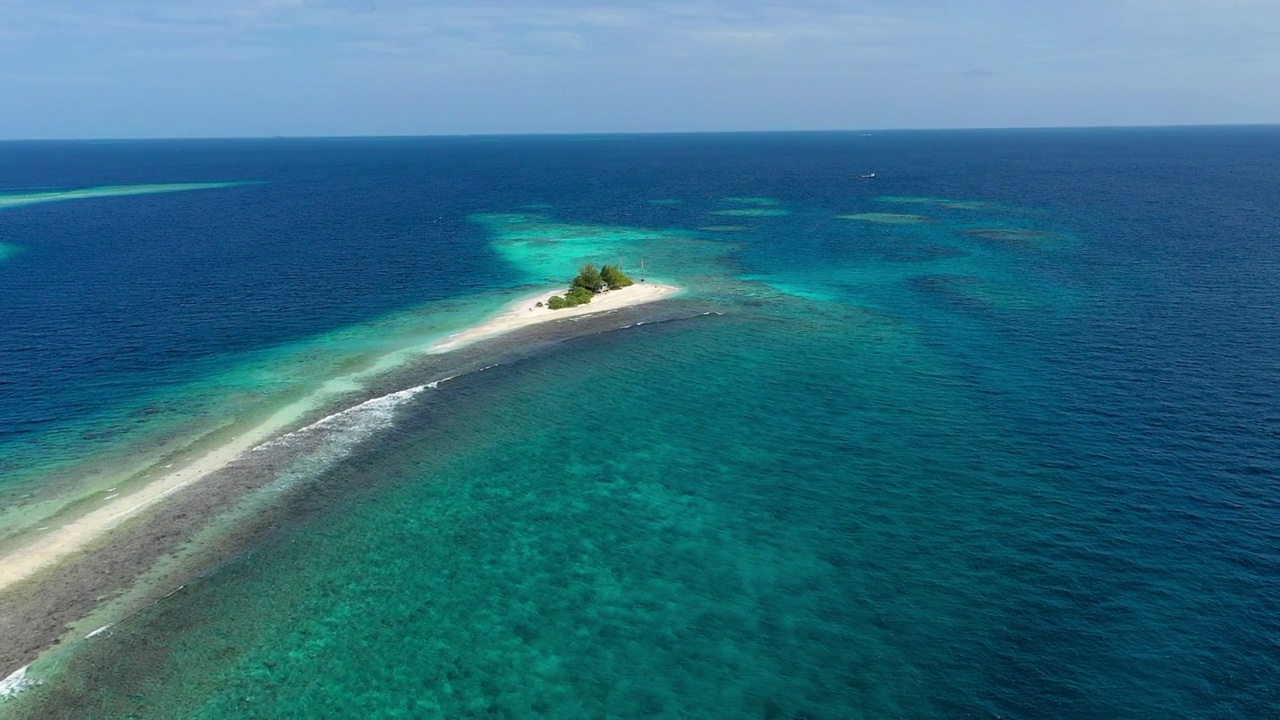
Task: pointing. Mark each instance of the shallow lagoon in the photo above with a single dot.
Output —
(897, 470)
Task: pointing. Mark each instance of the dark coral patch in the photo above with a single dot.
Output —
(1013, 237)
(888, 218)
(926, 253)
(966, 292)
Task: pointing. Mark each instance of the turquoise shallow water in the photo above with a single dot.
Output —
(673, 558)
(992, 438)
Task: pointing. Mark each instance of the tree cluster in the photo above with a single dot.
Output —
(612, 276)
(589, 282)
(576, 296)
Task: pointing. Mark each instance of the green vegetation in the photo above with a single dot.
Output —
(589, 282)
(588, 279)
(614, 278)
(576, 296)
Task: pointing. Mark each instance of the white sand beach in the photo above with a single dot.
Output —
(525, 311)
(61, 541)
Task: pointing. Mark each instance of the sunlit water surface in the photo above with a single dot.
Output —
(990, 435)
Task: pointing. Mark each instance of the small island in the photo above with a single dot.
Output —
(587, 284)
(613, 291)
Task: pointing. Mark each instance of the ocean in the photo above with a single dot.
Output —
(992, 434)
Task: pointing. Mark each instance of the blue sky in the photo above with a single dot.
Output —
(139, 68)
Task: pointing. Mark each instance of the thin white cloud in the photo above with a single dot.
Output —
(709, 58)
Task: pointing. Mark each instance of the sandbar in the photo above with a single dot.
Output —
(62, 541)
(525, 311)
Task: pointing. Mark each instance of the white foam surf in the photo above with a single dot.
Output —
(355, 423)
(434, 384)
(16, 683)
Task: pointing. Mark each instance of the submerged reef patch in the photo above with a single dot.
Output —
(753, 212)
(888, 218)
(543, 248)
(906, 200)
(8, 250)
(1014, 237)
(968, 205)
(977, 205)
(753, 200)
(29, 198)
(921, 253)
(969, 292)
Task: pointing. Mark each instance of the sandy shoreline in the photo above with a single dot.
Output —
(525, 311)
(63, 541)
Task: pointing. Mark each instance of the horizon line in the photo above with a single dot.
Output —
(646, 133)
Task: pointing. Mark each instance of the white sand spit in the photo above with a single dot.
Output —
(60, 541)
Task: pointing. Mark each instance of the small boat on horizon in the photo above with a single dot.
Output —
(868, 176)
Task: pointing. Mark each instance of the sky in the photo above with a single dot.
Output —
(226, 68)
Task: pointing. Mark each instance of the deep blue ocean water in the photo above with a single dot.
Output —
(993, 434)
